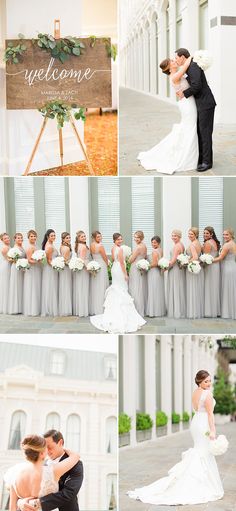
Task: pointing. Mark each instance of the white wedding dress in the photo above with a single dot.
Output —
(178, 151)
(120, 315)
(195, 479)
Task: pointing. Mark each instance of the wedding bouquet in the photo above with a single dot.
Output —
(163, 263)
(39, 256)
(58, 263)
(93, 267)
(22, 264)
(203, 59)
(194, 267)
(183, 260)
(143, 265)
(219, 445)
(126, 251)
(76, 264)
(206, 259)
(14, 254)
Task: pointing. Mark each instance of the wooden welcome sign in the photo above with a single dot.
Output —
(39, 78)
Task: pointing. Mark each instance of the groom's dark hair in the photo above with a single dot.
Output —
(56, 435)
(182, 52)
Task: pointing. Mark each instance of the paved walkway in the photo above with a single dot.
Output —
(20, 324)
(145, 121)
(146, 463)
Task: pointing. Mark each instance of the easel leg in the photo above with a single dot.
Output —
(61, 145)
(82, 146)
(27, 170)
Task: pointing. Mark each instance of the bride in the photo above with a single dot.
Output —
(194, 480)
(32, 479)
(120, 315)
(178, 151)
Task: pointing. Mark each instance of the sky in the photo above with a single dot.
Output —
(100, 343)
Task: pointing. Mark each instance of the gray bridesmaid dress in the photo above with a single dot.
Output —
(50, 289)
(194, 294)
(5, 272)
(228, 286)
(155, 290)
(98, 286)
(81, 289)
(212, 287)
(15, 298)
(32, 290)
(138, 286)
(65, 292)
(176, 294)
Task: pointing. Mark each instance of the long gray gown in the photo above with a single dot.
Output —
(15, 298)
(228, 286)
(156, 290)
(138, 286)
(50, 289)
(65, 292)
(5, 272)
(212, 287)
(98, 286)
(81, 289)
(194, 294)
(176, 292)
(32, 290)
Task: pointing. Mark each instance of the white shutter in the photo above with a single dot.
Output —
(24, 205)
(143, 210)
(55, 207)
(108, 209)
(211, 191)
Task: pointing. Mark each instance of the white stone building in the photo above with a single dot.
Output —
(157, 373)
(43, 387)
(151, 30)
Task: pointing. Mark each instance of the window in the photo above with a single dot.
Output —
(111, 435)
(53, 421)
(211, 204)
(55, 208)
(17, 429)
(110, 368)
(73, 432)
(24, 204)
(57, 365)
(111, 491)
(143, 198)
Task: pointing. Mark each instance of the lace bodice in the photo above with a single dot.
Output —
(116, 254)
(182, 85)
(201, 404)
(48, 483)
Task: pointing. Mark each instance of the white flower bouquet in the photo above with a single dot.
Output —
(58, 263)
(39, 256)
(203, 59)
(143, 266)
(14, 254)
(194, 267)
(218, 446)
(126, 251)
(22, 264)
(206, 259)
(76, 264)
(93, 267)
(183, 260)
(163, 263)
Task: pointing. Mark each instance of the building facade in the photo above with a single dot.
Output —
(70, 390)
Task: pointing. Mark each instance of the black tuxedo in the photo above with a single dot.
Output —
(69, 485)
(205, 103)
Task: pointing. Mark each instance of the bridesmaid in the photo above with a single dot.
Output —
(99, 283)
(176, 281)
(228, 275)
(211, 246)
(138, 280)
(194, 283)
(32, 279)
(5, 271)
(155, 282)
(65, 277)
(81, 278)
(50, 277)
(15, 299)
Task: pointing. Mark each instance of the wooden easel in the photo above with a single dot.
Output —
(57, 35)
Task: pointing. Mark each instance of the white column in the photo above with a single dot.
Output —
(129, 384)
(166, 378)
(178, 374)
(176, 211)
(190, 24)
(150, 379)
(187, 374)
(79, 206)
(195, 356)
(2, 207)
(162, 52)
(153, 57)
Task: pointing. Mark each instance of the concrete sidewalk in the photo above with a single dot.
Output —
(145, 464)
(145, 121)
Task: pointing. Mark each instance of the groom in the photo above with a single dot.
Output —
(69, 484)
(205, 103)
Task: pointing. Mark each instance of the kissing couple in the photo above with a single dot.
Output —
(50, 479)
(189, 145)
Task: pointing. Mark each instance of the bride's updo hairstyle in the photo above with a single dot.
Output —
(32, 446)
(116, 235)
(165, 66)
(195, 231)
(139, 235)
(201, 376)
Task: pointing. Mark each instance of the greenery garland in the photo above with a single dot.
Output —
(61, 112)
(13, 53)
(111, 48)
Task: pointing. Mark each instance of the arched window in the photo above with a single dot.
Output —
(73, 432)
(111, 491)
(111, 435)
(17, 429)
(57, 362)
(53, 421)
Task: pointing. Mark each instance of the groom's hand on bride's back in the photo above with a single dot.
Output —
(23, 505)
